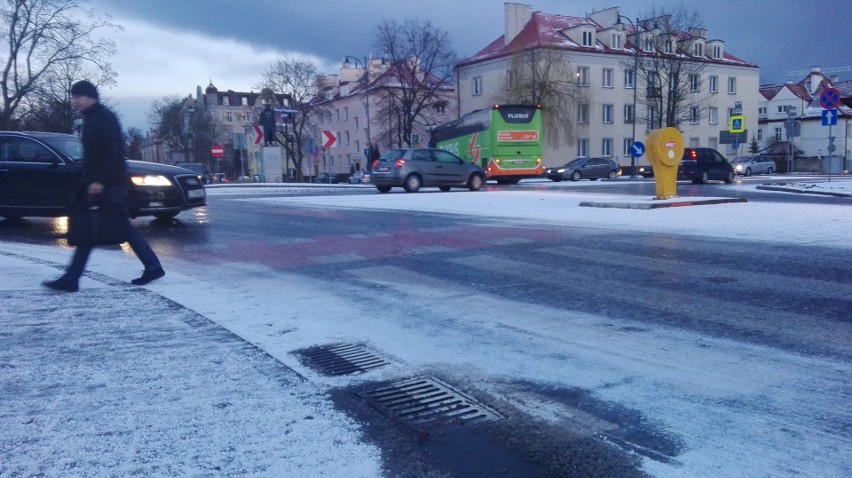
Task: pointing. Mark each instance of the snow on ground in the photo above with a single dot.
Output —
(766, 419)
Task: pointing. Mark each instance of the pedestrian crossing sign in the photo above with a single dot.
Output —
(737, 124)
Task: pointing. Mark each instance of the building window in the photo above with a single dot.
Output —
(477, 85)
(607, 113)
(347, 137)
(629, 79)
(693, 115)
(588, 38)
(713, 143)
(694, 142)
(717, 52)
(582, 148)
(732, 85)
(782, 109)
(777, 134)
(357, 145)
(356, 122)
(441, 107)
(648, 43)
(337, 114)
(616, 41)
(669, 46)
(653, 117)
(244, 101)
(583, 75)
(713, 115)
(627, 145)
(629, 113)
(761, 111)
(345, 113)
(583, 113)
(606, 147)
(760, 135)
(607, 77)
(229, 118)
(698, 49)
(714, 84)
(694, 83)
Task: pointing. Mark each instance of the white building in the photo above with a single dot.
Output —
(600, 50)
(800, 103)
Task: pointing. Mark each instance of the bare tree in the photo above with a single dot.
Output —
(183, 127)
(544, 77)
(669, 67)
(421, 62)
(133, 139)
(297, 78)
(40, 36)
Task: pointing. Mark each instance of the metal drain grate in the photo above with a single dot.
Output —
(424, 400)
(342, 359)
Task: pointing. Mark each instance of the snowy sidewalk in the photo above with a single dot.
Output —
(115, 380)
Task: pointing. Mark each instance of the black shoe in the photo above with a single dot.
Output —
(62, 284)
(149, 275)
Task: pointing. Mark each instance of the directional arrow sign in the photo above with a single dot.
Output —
(328, 140)
(637, 149)
(259, 134)
(829, 117)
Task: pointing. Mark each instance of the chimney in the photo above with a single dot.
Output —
(517, 15)
(816, 79)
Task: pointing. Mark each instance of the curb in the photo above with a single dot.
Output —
(802, 191)
(660, 205)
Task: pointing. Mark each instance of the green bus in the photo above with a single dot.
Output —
(506, 140)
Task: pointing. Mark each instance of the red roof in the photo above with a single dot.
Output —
(545, 30)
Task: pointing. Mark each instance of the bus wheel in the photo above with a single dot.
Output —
(475, 182)
(412, 183)
(383, 189)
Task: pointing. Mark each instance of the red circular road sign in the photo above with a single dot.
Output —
(217, 151)
(829, 98)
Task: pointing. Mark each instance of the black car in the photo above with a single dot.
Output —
(424, 167)
(584, 168)
(40, 173)
(702, 164)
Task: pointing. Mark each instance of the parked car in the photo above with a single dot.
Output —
(424, 167)
(702, 164)
(359, 177)
(586, 168)
(325, 178)
(748, 165)
(40, 173)
(199, 169)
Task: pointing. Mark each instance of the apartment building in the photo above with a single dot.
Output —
(600, 50)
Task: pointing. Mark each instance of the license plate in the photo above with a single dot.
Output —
(383, 169)
(195, 193)
(519, 161)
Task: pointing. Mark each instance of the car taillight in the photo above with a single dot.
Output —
(399, 163)
(693, 154)
(375, 163)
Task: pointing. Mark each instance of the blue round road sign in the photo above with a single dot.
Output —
(637, 149)
(829, 98)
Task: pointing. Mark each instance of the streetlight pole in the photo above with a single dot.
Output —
(366, 66)
(635, 86)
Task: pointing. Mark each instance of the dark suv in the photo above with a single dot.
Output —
(702, 164)
(40, 173)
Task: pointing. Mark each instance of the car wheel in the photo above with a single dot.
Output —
(770, 171)
(613, 175)
(704, 177)
(575, 176)
(412, 183)
(730, 177)
(747, 172)
(444, 188)
(475, 182)
(383, 189)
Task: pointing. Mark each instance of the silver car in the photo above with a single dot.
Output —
(423, 167)
(590, 168)
(748, 165)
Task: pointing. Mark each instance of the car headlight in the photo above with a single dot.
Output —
(151, 180)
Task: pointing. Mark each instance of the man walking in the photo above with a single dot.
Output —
(104, 176)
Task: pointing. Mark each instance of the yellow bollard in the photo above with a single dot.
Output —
(664, 148)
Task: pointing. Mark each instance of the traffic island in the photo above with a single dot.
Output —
(659, 203)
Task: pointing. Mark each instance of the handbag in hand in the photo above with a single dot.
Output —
(96, 222)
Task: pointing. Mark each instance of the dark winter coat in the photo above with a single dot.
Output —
(103, 148)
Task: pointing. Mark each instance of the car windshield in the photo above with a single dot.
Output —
(70, 146)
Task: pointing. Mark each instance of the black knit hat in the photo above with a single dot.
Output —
(84, 88)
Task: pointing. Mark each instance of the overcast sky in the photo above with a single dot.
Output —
(168, 47)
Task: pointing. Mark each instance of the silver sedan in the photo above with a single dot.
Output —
(748, 165)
